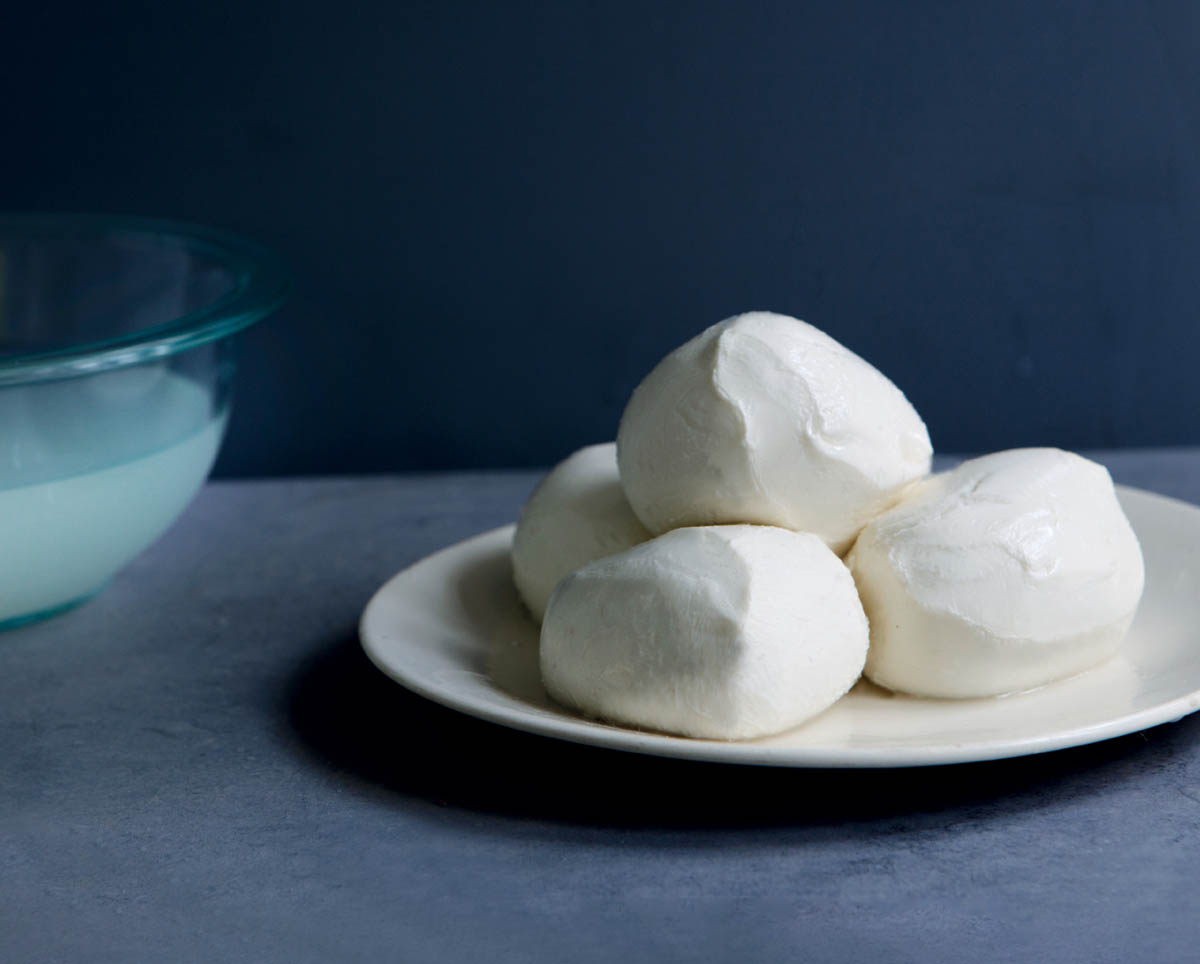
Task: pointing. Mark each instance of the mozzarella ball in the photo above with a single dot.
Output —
(1008, 572)
(721, 632)
(578, 513)
(764, 419)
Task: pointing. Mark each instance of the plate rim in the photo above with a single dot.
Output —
(573, 728)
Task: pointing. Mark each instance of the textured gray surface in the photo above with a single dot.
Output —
(199, 765)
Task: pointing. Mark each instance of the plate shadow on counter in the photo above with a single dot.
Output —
(354, 720)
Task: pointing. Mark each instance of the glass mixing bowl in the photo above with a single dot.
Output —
(116, 372)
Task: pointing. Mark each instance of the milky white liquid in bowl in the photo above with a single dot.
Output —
(91, 472)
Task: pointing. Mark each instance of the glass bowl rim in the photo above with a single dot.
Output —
(261, 285)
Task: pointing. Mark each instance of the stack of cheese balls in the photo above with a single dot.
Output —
(765, 530)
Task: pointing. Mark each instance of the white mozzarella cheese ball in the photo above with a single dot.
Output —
(578, 513)
(764, 419)
(1008, 572)
(721, 632)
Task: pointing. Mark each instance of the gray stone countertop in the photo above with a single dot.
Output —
(200, 765)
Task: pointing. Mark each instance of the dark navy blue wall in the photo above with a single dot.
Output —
(500, 215)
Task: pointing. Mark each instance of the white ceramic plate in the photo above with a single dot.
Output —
(451, 629)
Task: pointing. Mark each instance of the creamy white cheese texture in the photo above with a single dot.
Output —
(578, 513)
(1008, 572)
(721, 632)
(764, 419)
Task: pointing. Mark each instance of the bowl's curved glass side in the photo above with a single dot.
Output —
(71, 535)
(116, 368)
(54, 430)
(80, 294)
(94, 469)
(63, 294)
